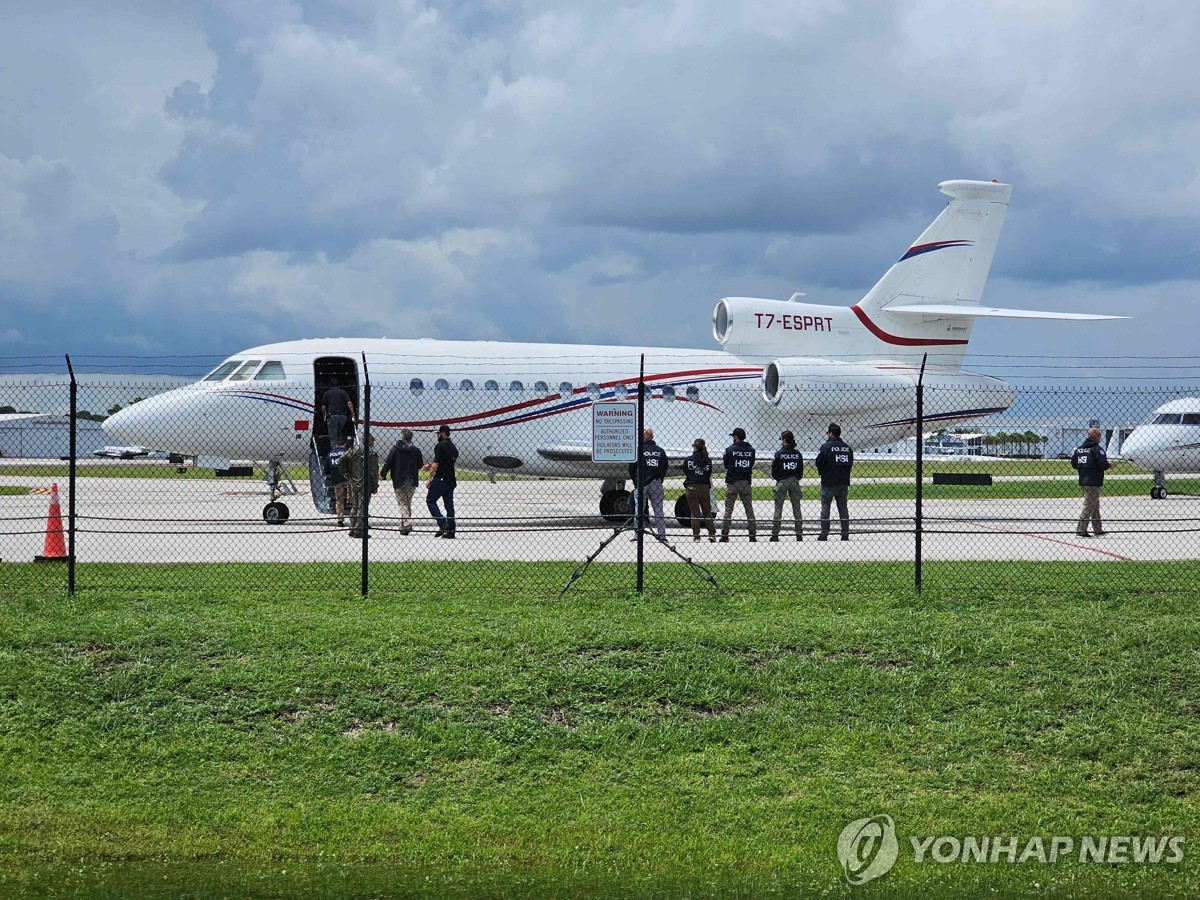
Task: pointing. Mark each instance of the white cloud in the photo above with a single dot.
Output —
(557, 169)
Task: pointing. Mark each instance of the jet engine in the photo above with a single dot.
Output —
(804, 385)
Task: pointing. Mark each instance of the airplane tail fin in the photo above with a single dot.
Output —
(949, 262)
(945, 270)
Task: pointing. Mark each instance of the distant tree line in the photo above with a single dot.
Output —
(82, 414)
(1016, 443)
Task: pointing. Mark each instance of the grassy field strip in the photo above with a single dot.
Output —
(469, 735)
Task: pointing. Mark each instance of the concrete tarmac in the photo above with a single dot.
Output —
(157, 520)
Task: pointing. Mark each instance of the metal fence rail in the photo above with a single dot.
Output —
(954, 509)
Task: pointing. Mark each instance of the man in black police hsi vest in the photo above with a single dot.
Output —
(739, 467)
(787, 468)
(654, 459)
(834, 461)
(1092, 462)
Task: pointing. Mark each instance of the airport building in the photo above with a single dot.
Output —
(30, 436)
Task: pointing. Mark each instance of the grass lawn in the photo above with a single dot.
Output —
(449, 737)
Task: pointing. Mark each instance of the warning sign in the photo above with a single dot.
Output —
(614, 432)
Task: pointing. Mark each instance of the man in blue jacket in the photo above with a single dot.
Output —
(1090, 460)
(654, 461)
(835, 459)
(739, 467)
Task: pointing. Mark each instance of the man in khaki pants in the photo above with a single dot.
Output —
(739, 465)
(1090, 460)
(404, 465)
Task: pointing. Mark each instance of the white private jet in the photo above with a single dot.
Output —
(797, 363)
(1169, 441)
(121, 452)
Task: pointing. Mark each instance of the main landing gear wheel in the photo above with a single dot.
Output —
(616, 506)
(275, 513)
(683, 512)
(1158, 493)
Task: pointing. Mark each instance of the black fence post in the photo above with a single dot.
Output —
(71, 481)
(640, 480)
(920, 521)
(368, 476)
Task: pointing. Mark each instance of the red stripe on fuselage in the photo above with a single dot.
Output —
(897, 339)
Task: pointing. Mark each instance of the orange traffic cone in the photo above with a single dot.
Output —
(54, 550)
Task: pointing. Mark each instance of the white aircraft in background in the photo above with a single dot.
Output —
(527, 407)
(121, 452)
(1169, 441)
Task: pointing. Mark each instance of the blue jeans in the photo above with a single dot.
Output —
(654, 495)
(334, 424)
(439, 488)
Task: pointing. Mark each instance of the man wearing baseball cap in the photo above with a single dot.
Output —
(787, 468)
(739, 464)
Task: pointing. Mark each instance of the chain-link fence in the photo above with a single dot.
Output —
(177, 484)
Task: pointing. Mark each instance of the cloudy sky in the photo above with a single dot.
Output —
(197, 177)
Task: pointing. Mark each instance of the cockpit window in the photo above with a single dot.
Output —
(271, 371)
(1191, 418)
(221, 372)
(246, 370)
(1167, 419)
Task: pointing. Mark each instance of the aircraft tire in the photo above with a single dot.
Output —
(683, 512)
(1162, 493)
(616, 506)
(275, 513)
(1156, 493)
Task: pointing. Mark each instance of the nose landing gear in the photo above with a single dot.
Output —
(275, 513)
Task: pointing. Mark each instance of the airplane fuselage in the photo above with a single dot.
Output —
(1168, 442)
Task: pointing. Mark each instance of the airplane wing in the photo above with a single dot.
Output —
(577, 452)
(949, 309)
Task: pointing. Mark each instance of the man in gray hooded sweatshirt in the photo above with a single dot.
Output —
(404, 465)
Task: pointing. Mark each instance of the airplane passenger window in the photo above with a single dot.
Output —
(594, 391)
(1167, 419)
(565, 387)
(223, 370)
(620, 391)
(693, 393)
(1191, 418)
(668, 392)
(491, 385)
(466, 385)
(516, 386)
(272, 371)
(541, 387)
(246, 370)
(416, 385)
(441, 385)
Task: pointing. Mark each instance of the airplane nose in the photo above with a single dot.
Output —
(146, 423)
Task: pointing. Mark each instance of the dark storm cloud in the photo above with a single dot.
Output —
(225, 173)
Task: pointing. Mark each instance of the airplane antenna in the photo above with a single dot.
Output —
(795, 298)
